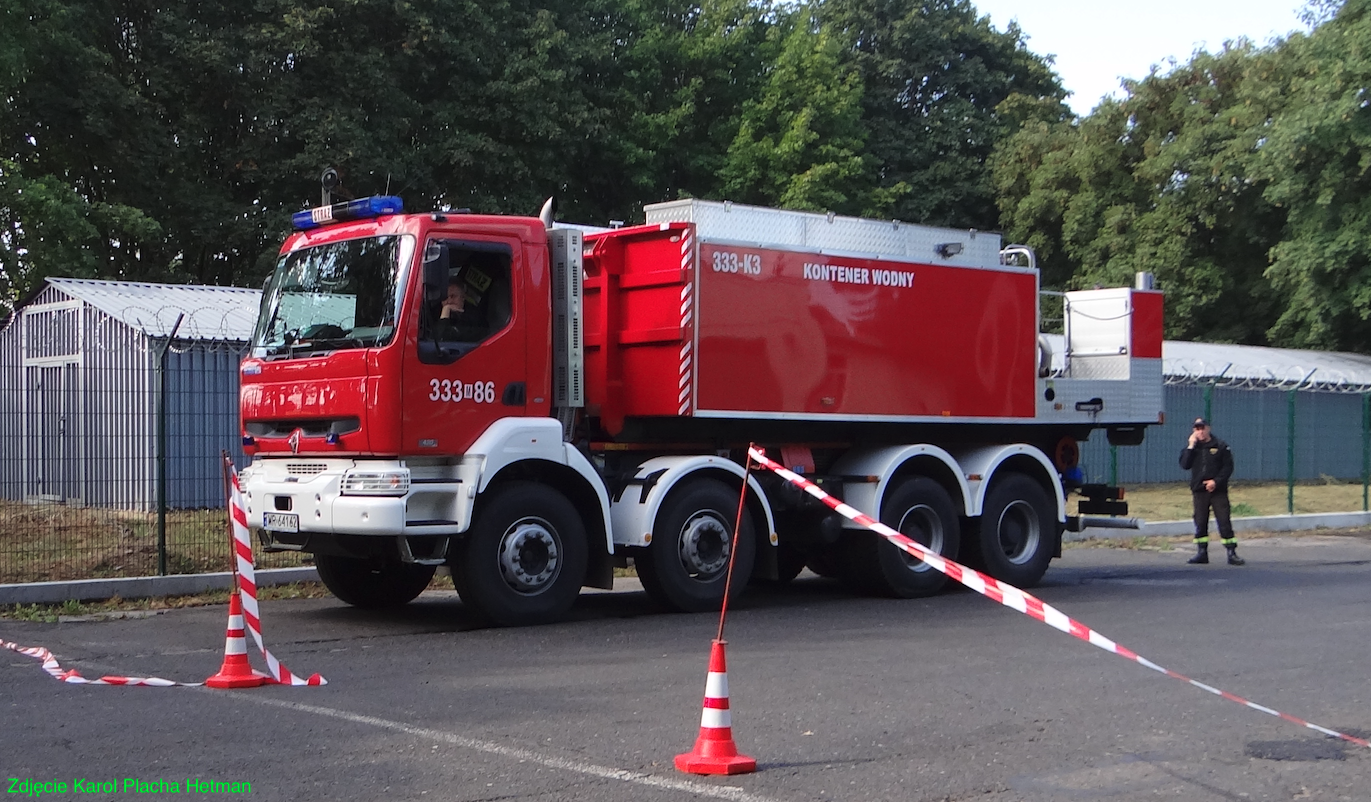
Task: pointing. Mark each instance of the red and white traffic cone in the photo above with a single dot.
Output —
(715, 752)
(236, 672)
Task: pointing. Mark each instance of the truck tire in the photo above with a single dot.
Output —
(827, 562)
(371, 583)
(524, 559)
(686, 565)
(790, 561)
(920, 509)
(1015, 537)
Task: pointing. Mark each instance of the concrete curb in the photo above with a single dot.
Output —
(1259, 523)
(141, 587)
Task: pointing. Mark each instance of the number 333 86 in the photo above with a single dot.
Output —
(447, 390)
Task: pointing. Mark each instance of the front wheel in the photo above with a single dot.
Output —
(1016, 536)
(686, 565)
(370, 583)
(525, 556)
(921, 510)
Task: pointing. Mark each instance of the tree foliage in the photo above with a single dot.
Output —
(1158, 182)
(171, 140)
(935, 76)
(800, 141)
(1316, 161)
(1240, 179)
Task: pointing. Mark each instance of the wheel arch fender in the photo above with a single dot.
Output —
(511, 440)
(536, 452)
(984, 465)
(892, 463)
(634, 509)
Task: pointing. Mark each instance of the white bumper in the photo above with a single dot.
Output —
(311, 491)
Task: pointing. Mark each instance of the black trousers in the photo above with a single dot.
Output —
(1218, 500)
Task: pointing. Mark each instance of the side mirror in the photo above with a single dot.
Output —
(435, 270)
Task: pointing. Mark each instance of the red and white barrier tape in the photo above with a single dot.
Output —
(71, 676)
(247, 583)
(1014, 598)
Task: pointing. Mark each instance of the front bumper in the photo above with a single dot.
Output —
(310, 490)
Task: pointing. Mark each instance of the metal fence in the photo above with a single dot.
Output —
(110, 455)
(110, 441)
(1276, 434)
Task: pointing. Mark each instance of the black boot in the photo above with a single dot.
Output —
(1233, 558)
(1201, 556)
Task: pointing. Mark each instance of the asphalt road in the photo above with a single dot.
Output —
(949, 698)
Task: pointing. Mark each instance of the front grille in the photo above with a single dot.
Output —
(305, 468)
(313, 427)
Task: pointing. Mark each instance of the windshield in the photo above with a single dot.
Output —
(335, 296)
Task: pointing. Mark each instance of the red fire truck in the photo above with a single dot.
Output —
(532, 405)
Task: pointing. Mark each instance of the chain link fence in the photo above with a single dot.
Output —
(1285, 432)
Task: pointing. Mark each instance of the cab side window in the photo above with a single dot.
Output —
(466, 297)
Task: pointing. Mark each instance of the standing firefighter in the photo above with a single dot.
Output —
(1210, 463)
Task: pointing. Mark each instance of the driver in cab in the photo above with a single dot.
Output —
(456, 322)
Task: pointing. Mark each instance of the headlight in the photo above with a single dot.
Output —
(376, 483)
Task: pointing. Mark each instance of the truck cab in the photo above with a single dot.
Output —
(398, 361)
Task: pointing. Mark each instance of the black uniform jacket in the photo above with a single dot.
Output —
(1209, 459)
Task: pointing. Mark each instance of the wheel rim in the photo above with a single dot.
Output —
(704, 545)
(529, 555)
(1019, 532)
(921, 524)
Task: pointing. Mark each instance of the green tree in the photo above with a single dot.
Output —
(800, 142)
(71, 150)
(684, 72)
(170, 140)
(935, 75)
(1316, 158)
(185, 132)
(1161, 182)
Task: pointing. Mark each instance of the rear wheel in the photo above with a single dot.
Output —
(790, 561)
(372, 583)
(1017, 531)
(686, 565)
(920, 509)
(525, 556)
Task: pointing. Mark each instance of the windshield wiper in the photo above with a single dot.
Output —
(335, 342)
(315, 345)
(284, 349)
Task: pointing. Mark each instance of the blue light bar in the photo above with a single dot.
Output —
(360, 209)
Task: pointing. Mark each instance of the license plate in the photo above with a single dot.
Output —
(281, 521)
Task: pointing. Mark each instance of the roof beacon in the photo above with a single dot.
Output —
(360, 209)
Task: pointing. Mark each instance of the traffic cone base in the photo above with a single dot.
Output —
(237, 672)
(228, 678)
(715, 752)
(706, 758)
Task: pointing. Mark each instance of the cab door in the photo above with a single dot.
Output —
(460, 377)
